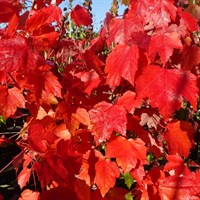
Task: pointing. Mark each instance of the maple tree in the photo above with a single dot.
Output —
(111, 115)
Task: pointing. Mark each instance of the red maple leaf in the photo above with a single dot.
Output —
(190, 56)
(91, 80)
(166, 88)
(7, 9)
(106, 174)
(121, 62)
(180, 187)
(13, 53)
(128, 101)
(10, 100)
(121, 31)
(156, 13)
(106, 118)
(134, 150)
(81, 16)
(43, 17)
(179, 138)
(164, 43)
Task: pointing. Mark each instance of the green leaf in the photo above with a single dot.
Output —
(128, 179)
(2, 120)
(129, 196)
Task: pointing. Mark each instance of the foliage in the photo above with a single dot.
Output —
(113, 115)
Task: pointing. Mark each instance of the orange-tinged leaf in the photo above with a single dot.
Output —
(128, 153)
(81, 16)
(166, 88)
(29, 195)
(106, 174)
(106, 118)
(122, 62)
(87, 171)
(23, 177)
(179, 138)
(10, 100)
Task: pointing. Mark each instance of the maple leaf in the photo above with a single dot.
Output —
(10, 100)
(43, 17)
(7, 10)
(158, 13)
(13, 53)
(175, 162)
(180, 187)
(121, 62)
(106, 118)
(81, 16)
(110, 171)
(188, 20)
(190, 56)
(40, 135)
(29, 195)
(23, 177)
(134, 150)
(164, 43)
(91, 80)
(121, 30)
(92, 61)
(179, 138)
(128, 101)
(45, 84)
(166, 88)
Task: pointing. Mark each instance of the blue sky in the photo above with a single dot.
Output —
(99, 9)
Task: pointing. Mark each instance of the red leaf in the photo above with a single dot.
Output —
(81, 16)
(91, 80)
(106, 174)
(128, 101)
(158, 13)
(7, 9)
(181, 187)
(107, 118)
(175, 163)
(29, 195)
(87, 171)
(188, 20)
(166, 88)
(13, 53)
(45, 81)
(179, 138)
(121, 62)
(134, 150)
(164, 43)
(23, 177)
(191, 57)
(92, 61)
(121, 30)
(10, 100)
(41, 134)
(60, 193)
(44, 16)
